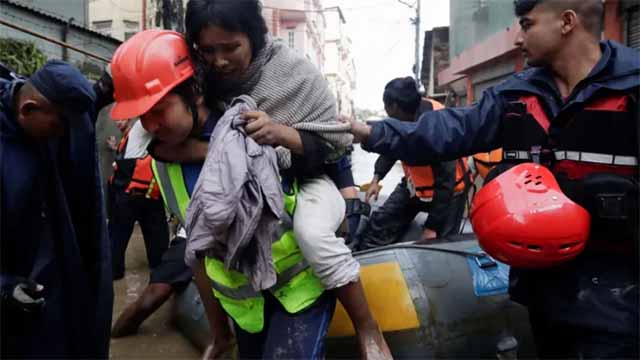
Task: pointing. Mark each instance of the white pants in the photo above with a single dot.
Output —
(319, 212)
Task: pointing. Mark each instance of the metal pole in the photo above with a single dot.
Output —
(417, 65)
(57, 42)
(144, 14)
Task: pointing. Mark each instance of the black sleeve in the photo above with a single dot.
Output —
(383, 166)
(151, 149)
(104, 91)
(311, 163)
(444, 180)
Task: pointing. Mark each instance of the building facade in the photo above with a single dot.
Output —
(482, 34)
(340, 69)
(119, 19)
(435, 58)
(301, 24)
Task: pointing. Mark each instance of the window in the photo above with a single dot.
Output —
(131, 25)
(103, 27)
(292, 39)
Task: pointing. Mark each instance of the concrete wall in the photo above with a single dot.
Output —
(477, 20)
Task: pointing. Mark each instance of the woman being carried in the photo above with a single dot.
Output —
(296, 114)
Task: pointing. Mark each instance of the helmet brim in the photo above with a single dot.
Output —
(129, 109)
(123, 110)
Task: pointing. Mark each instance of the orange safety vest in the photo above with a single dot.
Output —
(142, 180)
(420, 178)
(486, 161)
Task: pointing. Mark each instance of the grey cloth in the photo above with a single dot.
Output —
(237, 201)
(293, 92)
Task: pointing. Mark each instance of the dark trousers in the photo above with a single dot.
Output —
(389, 222)
(557, 340)
(289, 336)
(586, 308)
(125, 211)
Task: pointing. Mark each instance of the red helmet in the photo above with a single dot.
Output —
(523, 219)
(145, 68)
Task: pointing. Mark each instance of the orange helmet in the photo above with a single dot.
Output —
(145, 68)
(522, 218)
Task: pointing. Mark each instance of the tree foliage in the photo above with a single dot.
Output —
(23, 57)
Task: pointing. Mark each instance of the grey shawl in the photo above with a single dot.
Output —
(293, 92)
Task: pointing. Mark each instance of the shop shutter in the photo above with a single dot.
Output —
(633, 27)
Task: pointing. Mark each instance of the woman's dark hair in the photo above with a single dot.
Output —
(404, 92)
(243, 16)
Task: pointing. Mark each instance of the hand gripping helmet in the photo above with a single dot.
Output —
(523, 219)
(145, 68)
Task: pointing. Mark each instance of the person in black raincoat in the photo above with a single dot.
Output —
(55, 269)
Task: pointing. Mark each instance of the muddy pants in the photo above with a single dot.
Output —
(289, 336)
(389, 222)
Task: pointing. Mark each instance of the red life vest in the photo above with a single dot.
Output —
(599, 137)
(592, 149)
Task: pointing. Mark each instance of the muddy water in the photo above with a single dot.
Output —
(157, 337)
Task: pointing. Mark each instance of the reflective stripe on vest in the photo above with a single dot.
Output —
(296, 287)
(605, 159)
(588, 157)
(173, 188)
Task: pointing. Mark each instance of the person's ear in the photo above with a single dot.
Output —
(569, 20)
(27, 108)
(199, 100)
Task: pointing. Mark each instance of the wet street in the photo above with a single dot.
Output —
(157, 337)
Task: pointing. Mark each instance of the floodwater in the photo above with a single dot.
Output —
(157, 337)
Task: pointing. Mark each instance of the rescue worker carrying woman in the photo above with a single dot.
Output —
(438, 188)
(173, 119)
(574, 111)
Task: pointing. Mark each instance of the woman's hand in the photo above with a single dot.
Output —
(373, 191)
(265, 131)
(262, 129)
(360, 131)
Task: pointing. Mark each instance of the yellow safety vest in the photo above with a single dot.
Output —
(296, 287)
